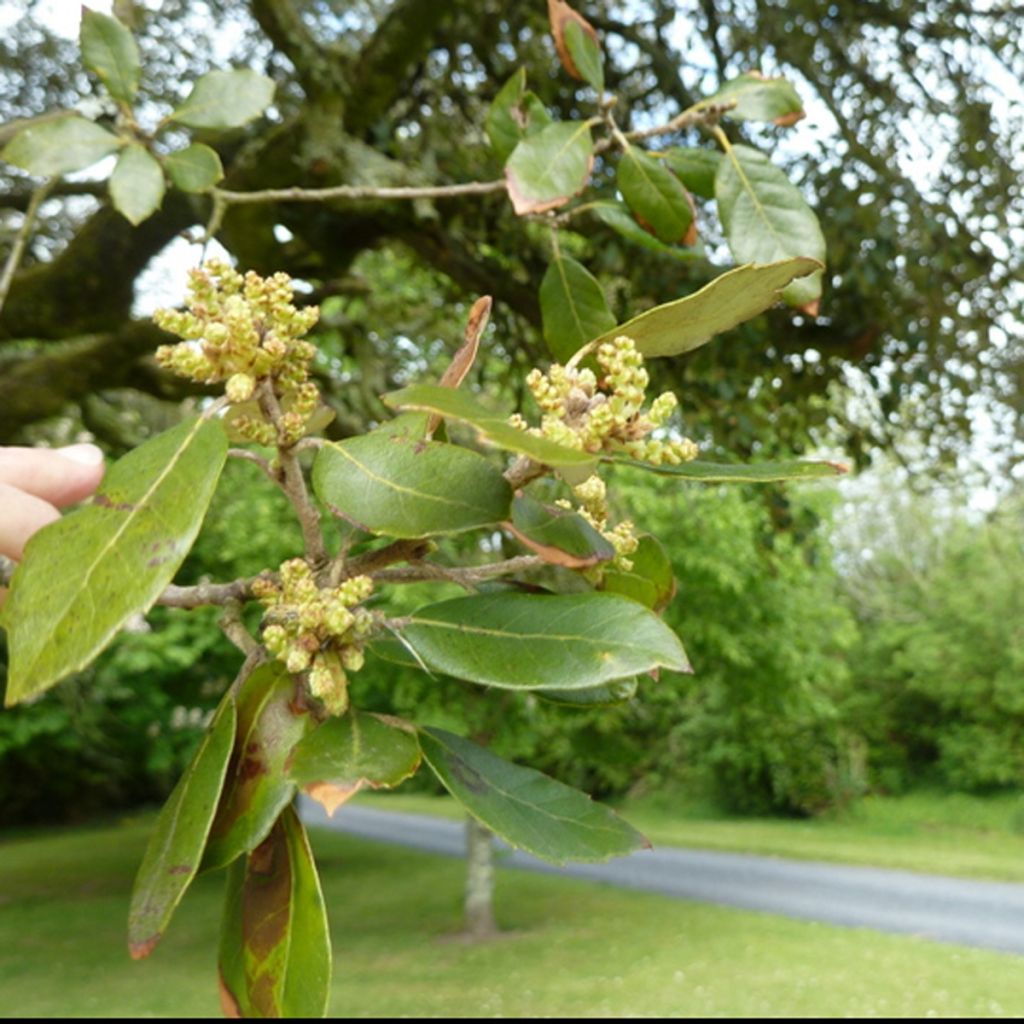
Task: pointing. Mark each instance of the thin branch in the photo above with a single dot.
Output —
(522, 471)
(465, 576)
(210, 593)
(294, 482)
(233, 627)
(371, 562)
(21, 240)
(317, 195)
(247, 456)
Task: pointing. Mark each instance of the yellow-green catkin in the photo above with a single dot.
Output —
(605, 413)
(241, 329)
(321, 630)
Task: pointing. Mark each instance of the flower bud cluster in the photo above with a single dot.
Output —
(242, 328)
(319, 629)
(592, 496)
(590, 413)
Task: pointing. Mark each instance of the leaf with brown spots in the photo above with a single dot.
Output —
(88, 573)
(344, 754)
(275, 948)
(269, 726)
(526, 808)
(176, 845)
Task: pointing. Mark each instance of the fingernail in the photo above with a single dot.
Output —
(83, 454)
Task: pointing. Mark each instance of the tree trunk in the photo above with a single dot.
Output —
(479, 905)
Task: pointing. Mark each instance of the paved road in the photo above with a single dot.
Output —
(985, 914)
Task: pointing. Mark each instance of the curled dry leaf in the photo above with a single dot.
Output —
(331, 797)
(560, 14)
(462, 361)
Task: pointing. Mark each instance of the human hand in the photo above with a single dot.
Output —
(35, 482)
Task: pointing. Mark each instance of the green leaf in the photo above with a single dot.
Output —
(402, 487)
(525, 808)
(654, 194)
(619, 219)
(695, 167)
(608, 694)
(738, 473)
(766, 218)
(256, 788)
(196, 168)
(109, 50)
(531, 641)
(730, 299)
(547, 169)
(650, 581)
(573, 307)
(225, 99)
(275, 946)
(85, 575)
(493, 427)
(137, 184)
(175, 847)
(515, 114)
(558, 535)
(345, 754)
(58, 146)
(759, 99)
(586, 54)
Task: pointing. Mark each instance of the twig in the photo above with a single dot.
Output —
(465, 576)
(369, 563)
(708, 116)
(252, 659)
(233, 627)
(242, 453)
(210, 593)
(294, 482)
(316, 195)
(21, 240)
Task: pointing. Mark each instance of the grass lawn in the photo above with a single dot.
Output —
(572, 948)
(941, 833)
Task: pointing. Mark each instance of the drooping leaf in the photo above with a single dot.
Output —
(275, 947)
(83, 576)
(175, 847)
(650, 581)
(730, 299)
(740, 473)
(584, 52)
(760, 99)
(270, 724)
(225, 99)
(608, 694)
(524, 807)
(767, 219)
(577, 43)
(196, 168)
(401, 487)
(536, 641)
(59, 146)
(655, 195)
(619, 219)
(137, 184)
(109, 50)
(695, 167)
(493, 427)
(573, 307)
(547, 169)
(343, 755)
(462, 361)
(558, 535)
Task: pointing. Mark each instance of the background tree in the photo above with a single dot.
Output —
(911, 161)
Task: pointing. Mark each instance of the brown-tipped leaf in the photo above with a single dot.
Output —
(175, 847)
(579, 50)
(270, 724)
(547, 169)
(558, 535)
(655, 195)
(275, 947)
